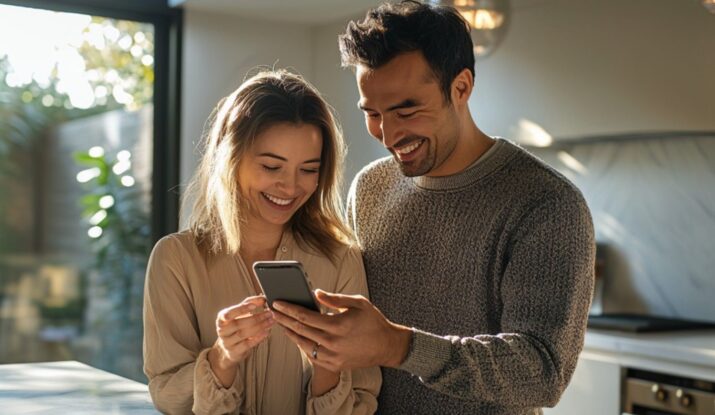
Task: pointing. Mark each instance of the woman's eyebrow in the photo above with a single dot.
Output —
(272, 155)
(276, 156)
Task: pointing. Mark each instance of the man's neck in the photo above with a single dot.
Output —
(472, 144)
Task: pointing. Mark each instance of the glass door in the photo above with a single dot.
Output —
(77, 219)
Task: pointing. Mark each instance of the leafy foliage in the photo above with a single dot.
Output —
(118, 62)
(117, 67)
(120, 258)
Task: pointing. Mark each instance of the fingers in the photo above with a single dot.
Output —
(245, 327)
(245, 307)
(236, 349)
(239, 330)
(312, 333)
(340, 301)
(325, 356)
(302, 320)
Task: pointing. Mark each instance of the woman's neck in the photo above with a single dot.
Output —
(260, 242)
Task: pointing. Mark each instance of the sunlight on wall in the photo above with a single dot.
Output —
(571, 162)
(532, 134)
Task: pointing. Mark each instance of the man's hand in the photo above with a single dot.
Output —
(358, 336)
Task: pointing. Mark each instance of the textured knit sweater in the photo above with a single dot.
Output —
(492, 267)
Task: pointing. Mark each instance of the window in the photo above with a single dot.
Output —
(88, 163)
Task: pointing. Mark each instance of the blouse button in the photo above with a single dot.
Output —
(284, 249)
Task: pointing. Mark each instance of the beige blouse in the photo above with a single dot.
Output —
(183, 294)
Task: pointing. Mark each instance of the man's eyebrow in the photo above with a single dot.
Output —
(408, 103)
(276, 156)
(363, 107)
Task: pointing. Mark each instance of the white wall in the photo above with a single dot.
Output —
(581, 67)
(339, 88)
(219, 50)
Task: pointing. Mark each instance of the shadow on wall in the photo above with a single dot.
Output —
(616, 280)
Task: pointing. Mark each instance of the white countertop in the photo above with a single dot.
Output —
(689, 352)
(69, 387)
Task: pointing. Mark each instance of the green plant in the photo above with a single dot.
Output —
(114, 62)
(119, 229)
(117, 57)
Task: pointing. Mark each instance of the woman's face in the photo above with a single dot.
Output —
(279, 172)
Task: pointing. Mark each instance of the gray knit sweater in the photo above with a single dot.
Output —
(493, 267)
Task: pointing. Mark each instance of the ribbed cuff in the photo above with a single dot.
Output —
(428, 354)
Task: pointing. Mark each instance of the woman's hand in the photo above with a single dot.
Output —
(238, 332)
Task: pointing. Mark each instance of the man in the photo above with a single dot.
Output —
(479, 257)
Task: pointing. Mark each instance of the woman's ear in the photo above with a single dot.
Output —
(462, 87)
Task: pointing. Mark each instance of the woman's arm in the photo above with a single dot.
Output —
(323, 380)
(179, 373)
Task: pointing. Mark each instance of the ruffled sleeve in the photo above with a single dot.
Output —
(210, 397)
(357, 390)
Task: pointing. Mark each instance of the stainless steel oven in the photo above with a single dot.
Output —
(650, 393)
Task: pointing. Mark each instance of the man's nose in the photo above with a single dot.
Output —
(392, 132)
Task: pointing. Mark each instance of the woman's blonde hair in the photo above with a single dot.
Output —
(264, 100)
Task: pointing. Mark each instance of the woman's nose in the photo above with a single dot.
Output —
(287, 182)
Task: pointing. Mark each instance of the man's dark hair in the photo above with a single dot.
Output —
(439, 32)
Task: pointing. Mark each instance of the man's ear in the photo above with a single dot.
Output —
(462, 87)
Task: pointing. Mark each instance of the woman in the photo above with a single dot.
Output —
(266, 189)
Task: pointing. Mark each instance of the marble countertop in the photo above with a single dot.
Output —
(695, 348)
(69, 387)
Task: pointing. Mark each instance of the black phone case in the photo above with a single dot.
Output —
(285, 281)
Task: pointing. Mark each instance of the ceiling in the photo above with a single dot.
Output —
(297, 11)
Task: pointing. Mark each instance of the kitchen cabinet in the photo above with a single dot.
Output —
(597, 385)
(594, 388)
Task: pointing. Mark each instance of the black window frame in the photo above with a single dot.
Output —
(168, 27)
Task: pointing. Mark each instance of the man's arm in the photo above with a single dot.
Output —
(546, 292)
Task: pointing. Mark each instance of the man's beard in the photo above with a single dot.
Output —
(418, 167)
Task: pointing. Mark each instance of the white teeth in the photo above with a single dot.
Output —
(409, 149)
(278, 201)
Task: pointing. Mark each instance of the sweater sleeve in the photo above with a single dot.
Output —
(546, 292)
(180, 377)
(357, 389)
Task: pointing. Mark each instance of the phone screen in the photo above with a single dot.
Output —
(285, 281)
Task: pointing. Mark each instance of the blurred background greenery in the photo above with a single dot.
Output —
(75, 102)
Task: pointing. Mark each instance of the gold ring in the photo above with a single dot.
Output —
(315, 351)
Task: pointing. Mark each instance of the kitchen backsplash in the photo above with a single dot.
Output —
(653, 206)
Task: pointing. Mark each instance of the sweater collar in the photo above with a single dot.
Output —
(494, 158)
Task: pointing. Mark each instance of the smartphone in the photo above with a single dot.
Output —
(285, 281)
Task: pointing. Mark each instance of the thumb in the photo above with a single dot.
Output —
(339, 301)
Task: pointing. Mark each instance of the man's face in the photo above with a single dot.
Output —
(406, 111)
